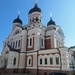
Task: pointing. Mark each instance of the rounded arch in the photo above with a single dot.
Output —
(40, 60)
(29, 61)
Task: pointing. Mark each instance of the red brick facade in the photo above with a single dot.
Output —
(47, 43)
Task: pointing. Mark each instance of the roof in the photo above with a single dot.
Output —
(17, 20)
(51, 22)
(34, 9)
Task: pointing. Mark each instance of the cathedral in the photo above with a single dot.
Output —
(35, 48)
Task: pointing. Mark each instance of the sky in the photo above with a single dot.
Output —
(63, 13)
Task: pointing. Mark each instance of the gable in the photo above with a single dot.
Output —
(16, 31)
(5, 50)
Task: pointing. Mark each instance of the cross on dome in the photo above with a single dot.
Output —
(36, 1)
(18, 14)
(50, 15)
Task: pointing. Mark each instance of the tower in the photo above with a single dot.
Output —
(54, 35)
(35, 14)
(36, 32)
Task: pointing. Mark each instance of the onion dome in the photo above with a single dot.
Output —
(34, 9)
(51, 22)
(17, 20)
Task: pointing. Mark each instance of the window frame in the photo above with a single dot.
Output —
(29, 58)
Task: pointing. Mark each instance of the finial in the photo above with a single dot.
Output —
(50, 15)
(36, 1)
(18, 14)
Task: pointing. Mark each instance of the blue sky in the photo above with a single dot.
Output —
(63, 13)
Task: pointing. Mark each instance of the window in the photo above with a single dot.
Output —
(45, 60)
(57, 60)
(29, 61)
(57, 43)
(13, 45)
(14, 63)
(30, 41)
(42, 42)
(40, 60)
(16, 45)
(19, 43)
(51, 61)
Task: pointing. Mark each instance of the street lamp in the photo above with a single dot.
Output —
(60, 59)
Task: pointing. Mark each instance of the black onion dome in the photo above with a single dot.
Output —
(36, 8)
(51, 22)
(17, 20)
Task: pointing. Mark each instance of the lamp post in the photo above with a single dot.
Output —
(60, 59)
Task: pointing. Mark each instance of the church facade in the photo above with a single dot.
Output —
(36, 49)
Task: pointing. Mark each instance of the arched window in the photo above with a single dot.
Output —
(45, 61)
(57, 60)
(29, 61)
(40, 61)
(51, 60)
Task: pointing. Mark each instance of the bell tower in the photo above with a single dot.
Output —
(35, 14)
